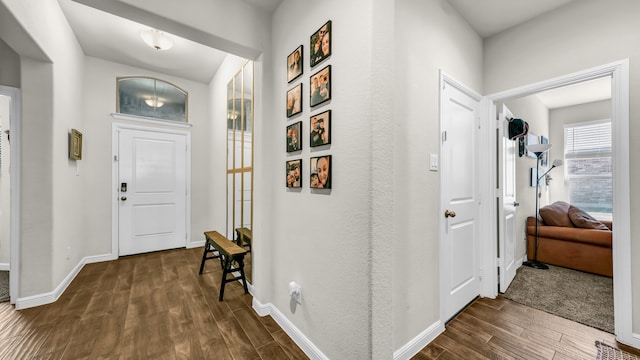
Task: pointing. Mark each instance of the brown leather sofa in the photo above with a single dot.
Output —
(572, 247)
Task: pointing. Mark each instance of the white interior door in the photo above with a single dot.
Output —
(460, 241)
(152, 191)
(507, 150)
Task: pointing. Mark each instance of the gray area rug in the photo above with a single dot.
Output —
(4, 286)
(574, 295)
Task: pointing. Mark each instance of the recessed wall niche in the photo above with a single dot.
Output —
(151, 98)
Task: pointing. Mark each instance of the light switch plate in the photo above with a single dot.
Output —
(433, 162)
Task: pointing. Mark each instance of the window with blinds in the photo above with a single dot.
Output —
(588, 167)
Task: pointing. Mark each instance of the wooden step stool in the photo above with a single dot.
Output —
(228, 252)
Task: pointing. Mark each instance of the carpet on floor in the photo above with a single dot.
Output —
(4, 286)
(606, 352)
(571, 294)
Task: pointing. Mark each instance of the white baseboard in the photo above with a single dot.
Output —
(4, 267)
(419, 342)
(195, 244)
(296, 335)
(50, 297)
(634, 341)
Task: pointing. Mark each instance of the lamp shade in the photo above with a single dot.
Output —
(538, 148)
(156, 39)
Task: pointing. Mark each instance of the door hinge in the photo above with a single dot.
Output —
(115, 157)
(444, 136)
(497, 261)
(480, 274)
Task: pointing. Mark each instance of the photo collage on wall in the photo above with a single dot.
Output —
(319, 126)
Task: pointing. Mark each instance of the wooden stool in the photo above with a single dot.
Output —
(244, 237)
(228, 252)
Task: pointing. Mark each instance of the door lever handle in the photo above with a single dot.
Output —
(448, 213)
(515, 203)
(123, 198)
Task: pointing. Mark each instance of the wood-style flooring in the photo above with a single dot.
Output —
(156, 306)
(503, 329)
(150, 306)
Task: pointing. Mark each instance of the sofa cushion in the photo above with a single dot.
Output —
(581, 219)
(556, 214)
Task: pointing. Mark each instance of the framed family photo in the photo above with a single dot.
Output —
(294, 64)
(293, 171)
(294, 137)
(320, 174)
(320, 84)
(320, 131)
(320, 44)
(294, 100)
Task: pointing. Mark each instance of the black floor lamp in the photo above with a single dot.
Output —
(539, 149)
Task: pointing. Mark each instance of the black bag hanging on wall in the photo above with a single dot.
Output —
(518, 129)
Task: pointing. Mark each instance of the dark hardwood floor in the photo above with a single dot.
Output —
(150, 306)
(503, 329)
(156, 306)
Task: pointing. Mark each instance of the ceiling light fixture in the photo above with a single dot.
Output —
(156, 39)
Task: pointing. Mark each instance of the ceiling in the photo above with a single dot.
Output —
(113, 38)
(489, 17)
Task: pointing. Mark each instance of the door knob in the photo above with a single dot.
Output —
(123, 198)
(448, 213)
(515, 203)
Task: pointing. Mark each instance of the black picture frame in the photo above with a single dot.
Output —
(295, 64)
(320, 44)
(320, 172)
(320, 129)
(320, 86)
(293, 173)
(294, 137)
(294, 100)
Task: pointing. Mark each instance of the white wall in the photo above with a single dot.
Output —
(51, 103)
(321, 239)
(430, 36)
(9, 65)
(100, 102)
(536, 115)
(582, 35)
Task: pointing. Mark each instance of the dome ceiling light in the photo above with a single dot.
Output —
(156, 39)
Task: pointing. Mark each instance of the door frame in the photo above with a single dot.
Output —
(448, 80)
(619, 73)
(115, 186)
(14, 145)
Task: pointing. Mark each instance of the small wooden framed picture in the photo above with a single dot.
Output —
(75, 145)
(320, 84)
(320, 131)
(294, 64)
(293, 171)
(294, 137)
(320, 44)
(294, 100)
(320, 174)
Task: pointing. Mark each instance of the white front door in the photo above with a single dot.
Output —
(152, 191)
(507, 152)
(459, 208)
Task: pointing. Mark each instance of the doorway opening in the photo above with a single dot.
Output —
(10, 187)
(618, 72)
(582, 178)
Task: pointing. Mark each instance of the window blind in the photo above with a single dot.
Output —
(582, 139)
